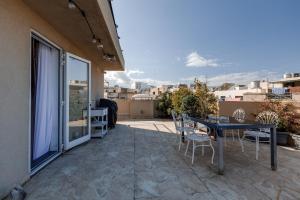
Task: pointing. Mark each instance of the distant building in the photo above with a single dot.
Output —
(117, 92)
(143, 97)
(236, 93)
(140, 85)
(286, 88)
(156, 91)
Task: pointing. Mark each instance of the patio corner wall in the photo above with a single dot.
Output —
(16, 22)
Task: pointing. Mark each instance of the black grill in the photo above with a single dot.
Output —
(112, 111)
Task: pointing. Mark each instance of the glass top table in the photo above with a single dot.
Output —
(220, 125)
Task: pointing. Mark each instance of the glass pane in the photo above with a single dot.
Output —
(78, 98)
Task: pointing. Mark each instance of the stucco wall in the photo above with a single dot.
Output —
(16, 21)
(135, 109)
(228, 107)
(255, 97)
(296, 97)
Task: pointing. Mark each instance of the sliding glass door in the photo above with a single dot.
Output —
(45, 101)
(77, 108)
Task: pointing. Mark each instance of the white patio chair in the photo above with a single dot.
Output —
(179, 127)
(201, 134)
(265, 117)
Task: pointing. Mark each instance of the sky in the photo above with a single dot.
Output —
(174, 41)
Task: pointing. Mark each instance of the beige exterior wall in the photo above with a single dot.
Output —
(228, 107)
(16, 21)
(123, 108)
(135, 109)
(255, 97)
(296, 97)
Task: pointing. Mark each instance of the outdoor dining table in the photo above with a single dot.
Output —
(220, 126)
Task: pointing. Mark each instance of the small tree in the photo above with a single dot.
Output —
(190, 105)
(164, 104)
(207, 101)
(177, 98)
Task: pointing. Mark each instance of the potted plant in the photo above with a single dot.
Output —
(295, 137)
(287, 123)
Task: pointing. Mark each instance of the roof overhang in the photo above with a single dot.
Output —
(73, 26)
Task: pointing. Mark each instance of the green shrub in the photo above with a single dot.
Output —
(164, 104)
(190, 105)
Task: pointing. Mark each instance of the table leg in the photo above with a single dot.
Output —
(220, 139)
(182, 132)
(273, 148)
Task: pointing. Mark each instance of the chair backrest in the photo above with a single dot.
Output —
(174, 116)
(188, 124)
(173, 113)
(239, 115)
(212, 118)
(267, 117)
(203, 128)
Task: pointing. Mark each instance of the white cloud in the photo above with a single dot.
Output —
(196, 60)
(153, 82)
(129, 77)
(131, 72)
(238, 78)
(117, 78)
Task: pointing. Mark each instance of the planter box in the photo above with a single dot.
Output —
(283, 138)
(296, 140)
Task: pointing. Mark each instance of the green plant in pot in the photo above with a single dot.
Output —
(287, 122)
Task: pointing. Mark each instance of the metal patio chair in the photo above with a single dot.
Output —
(180, 127)
(263, 134)
(201, 135)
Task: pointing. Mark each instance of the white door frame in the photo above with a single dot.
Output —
(67, 144)
(32, 170)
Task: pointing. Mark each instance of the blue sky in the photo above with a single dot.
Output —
(172, 41)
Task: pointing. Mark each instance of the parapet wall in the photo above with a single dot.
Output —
(136, 109)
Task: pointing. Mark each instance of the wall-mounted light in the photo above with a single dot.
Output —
(94, 40)
(110, 58)
(71, 4)
(100, 45)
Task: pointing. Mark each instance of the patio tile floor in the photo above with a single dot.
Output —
(140, 160)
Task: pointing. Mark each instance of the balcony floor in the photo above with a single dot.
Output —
(140, 160)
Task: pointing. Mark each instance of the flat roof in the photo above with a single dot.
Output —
(286, 80)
